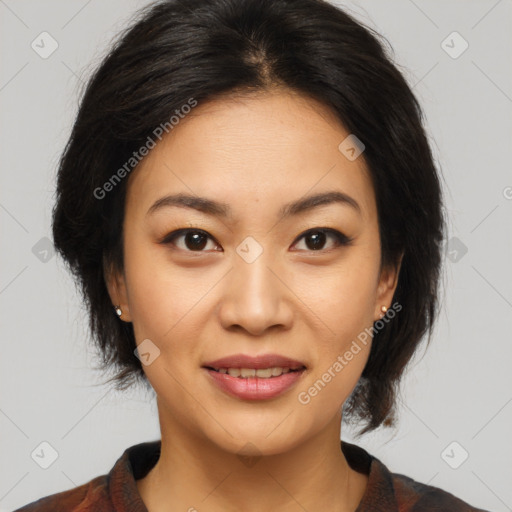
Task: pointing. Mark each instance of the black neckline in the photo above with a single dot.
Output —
(144, 456)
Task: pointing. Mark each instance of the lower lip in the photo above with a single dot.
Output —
(255, 388)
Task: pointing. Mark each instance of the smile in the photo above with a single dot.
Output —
(263, 373)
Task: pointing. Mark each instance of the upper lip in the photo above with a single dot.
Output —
(256, 362)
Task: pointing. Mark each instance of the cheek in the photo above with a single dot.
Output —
(157, 295)
(334, 377)
(342, 298)
(167, 303)
(342, 306)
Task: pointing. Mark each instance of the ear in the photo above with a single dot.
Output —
(388, 281)
(116, 286)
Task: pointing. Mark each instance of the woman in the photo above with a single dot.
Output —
(250, 205)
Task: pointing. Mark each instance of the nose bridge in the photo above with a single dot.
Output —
(255, 298)
(255, 284)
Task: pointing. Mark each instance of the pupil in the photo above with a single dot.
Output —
(198, 240)
(318, 240)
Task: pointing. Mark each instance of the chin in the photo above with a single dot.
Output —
(253, 439)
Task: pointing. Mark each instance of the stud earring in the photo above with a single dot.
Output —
(383, 309)
(118, 310)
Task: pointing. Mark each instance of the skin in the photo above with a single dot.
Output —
(196, 305)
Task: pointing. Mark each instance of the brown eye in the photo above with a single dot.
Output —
(192, 240)
(315, 239)
(195, 240)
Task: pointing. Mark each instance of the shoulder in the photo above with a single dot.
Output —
(414, 496)
(92, 495)
(116, 490)
(396, 492)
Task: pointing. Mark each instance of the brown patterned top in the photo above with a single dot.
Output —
(117, 490)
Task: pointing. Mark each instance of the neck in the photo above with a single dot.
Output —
(194, 473)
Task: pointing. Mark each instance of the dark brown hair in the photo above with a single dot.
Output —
(175, 50)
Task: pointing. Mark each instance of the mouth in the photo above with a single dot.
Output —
(261, 373)
(261, 377)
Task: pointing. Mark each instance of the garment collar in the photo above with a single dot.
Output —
(137, 460)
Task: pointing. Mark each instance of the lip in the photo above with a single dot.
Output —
(256, 362)
(254, 388)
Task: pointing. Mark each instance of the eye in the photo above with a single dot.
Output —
(194, 240)
(315, 238)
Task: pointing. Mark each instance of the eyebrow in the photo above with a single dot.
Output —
(223, 210)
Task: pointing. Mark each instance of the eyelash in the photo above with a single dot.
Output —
(341, 239)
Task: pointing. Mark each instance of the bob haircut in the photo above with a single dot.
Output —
(174, 50)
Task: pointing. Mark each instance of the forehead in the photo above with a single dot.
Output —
(262, 149)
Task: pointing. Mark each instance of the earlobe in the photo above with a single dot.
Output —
(386, 289)
(116, 287)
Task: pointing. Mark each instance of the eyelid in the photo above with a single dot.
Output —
(341, 238)
(169, 237)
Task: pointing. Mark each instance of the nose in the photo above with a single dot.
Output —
(255, 297)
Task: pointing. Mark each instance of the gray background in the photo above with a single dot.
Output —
(459, 391)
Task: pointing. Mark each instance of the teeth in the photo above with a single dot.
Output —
(263, 373)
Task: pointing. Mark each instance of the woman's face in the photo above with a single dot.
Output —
(252, 281)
